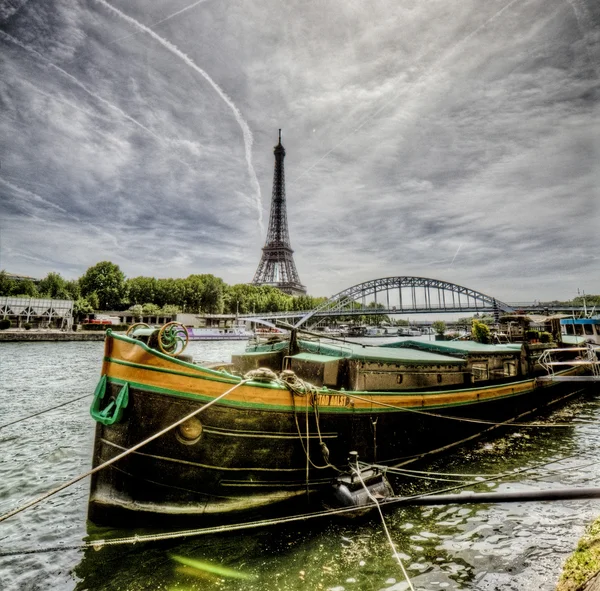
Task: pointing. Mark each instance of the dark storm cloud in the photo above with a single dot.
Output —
(456, 140)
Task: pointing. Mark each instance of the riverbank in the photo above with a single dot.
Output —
(581, 571)
(15, 336)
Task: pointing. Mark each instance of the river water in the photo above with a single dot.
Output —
(485, 547)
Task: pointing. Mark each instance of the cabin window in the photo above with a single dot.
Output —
(597, 328)
(510, 369)
(579, 329)
(399, 378)
(589, 329)
(479, 371)
(439, 378)
(569, 328)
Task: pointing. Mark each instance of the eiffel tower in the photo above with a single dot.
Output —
(276, 265)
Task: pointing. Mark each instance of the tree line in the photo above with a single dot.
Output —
(105, 287)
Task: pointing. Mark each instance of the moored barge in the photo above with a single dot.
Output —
(288, 427)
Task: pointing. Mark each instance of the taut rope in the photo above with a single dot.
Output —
(118, 457)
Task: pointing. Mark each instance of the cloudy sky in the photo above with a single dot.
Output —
(452, 139)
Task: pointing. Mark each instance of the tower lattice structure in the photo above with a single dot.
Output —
(277, 267)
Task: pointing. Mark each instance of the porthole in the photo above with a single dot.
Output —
(189, 432)
(439, 378)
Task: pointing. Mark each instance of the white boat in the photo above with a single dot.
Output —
(575, 330)
(233, 333)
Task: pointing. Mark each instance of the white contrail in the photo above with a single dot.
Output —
(45, 202)
(33, 195)
(246, 133)
(53, 97)
(456, 254)
(429, 71)
(81, 85)
(96, 96)
(162, 20)
(586, 25)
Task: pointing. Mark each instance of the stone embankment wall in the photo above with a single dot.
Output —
(12, 336)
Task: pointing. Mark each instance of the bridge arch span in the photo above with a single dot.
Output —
(408, 295)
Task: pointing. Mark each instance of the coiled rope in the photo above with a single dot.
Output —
(299, 387)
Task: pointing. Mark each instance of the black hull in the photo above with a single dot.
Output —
(248, 460)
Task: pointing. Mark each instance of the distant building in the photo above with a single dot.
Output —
(15, 277)
(41, 313)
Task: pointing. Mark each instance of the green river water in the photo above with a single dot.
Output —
(486, 547)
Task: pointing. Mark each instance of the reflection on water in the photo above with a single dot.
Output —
(484, 547)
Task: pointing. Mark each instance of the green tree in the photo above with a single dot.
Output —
(170, 292)
(73, 289)
(439, 326)
(25, 289)
(53, 286)
(93, 299)
(151, 309)
(590, 301)
(82, 308)
(7, 284)
(240, 298)
(136, 311)
(480, 332)
(141, 290)
(193, 289)
(108, 282)
(212, 299)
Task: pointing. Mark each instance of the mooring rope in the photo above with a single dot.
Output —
(218, 529)
(454, 418)
(41, 412)
(439, 476)
(385, 527)
(118, 457)
(99, 544)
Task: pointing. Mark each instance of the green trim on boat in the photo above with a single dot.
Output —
(323, 407)
(120, 337)
(113, 412)
(222, 376)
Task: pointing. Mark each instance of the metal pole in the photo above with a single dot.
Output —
(557, 494)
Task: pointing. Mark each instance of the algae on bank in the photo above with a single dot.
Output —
(584, 564)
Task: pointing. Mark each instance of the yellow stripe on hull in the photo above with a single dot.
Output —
(133, 362)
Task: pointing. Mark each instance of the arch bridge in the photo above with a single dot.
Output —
(399, 295)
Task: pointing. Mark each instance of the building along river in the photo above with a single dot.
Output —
(485, 547)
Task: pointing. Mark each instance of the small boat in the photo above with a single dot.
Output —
(580, 330)
(409, 332)
(234, 333)
(279, 423)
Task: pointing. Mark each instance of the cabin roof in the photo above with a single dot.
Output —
(460, 348)
(316, 357)
(380, 353)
